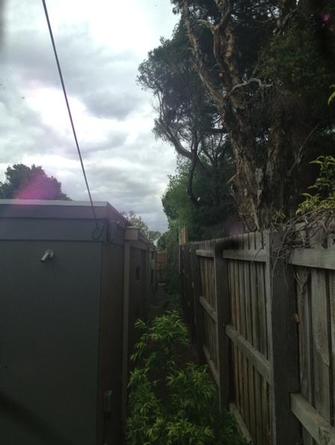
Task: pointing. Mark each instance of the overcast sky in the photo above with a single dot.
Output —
(100, 45)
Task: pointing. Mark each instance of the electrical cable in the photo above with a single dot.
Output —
(69, 112)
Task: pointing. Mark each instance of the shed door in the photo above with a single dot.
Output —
(48, 343)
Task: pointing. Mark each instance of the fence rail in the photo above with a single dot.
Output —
(266, 328)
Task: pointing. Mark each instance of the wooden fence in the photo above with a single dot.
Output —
(161, 266)
(266, 327)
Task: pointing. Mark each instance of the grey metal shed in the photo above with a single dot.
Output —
(61, 322)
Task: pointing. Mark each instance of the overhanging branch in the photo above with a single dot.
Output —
(249, 82)
(203, 71)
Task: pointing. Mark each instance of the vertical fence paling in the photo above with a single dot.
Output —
(283, 346)
(265, 335)
(248, 334)
(315, 290)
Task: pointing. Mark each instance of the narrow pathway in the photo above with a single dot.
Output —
(160, 302)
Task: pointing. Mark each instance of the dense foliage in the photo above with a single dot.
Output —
(199, 193)
(214, 209)
(322, 196)
(23, 182)
(172, 401)
(243, 93)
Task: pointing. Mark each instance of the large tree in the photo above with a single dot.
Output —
(249, 78)
(23, 182)
(267, 71)
(188, 120)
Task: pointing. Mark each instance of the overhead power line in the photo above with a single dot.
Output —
(69, 109)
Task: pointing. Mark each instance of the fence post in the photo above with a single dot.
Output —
(223, 319)
(182, 276)
(147, 256)
(283, 342)
(182, 249)
(183, 236)
(196, 291)
(125, 333)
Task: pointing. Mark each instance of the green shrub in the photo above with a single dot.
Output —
(161, 342)
(322, 197)
(294, 59)
(172, 402)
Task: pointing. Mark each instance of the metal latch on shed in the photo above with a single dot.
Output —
(47, 255)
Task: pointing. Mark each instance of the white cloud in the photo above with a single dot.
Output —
(100, 45)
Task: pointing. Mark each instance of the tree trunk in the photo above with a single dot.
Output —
(260, 184)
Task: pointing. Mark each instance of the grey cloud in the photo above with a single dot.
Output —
(29, 53)
(114, 141)
(104, 81)
(123, 190)
(112, 104)
(21, 129)
(138, 191)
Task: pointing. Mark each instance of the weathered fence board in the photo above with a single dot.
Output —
(320, 344)
(305, 320)
(331, 278)
(266, 328)
(319, 429)
(256, 358)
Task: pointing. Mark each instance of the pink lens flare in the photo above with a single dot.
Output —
(326, 18)
(37, 188)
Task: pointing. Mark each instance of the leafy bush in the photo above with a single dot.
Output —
(323, 198)
(294, 59)
(161, 342)
(172, 402)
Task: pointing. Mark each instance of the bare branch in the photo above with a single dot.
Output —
(190, 181)
(203, 71)
(206, 24)
(288, 14)
(174, 139)
(225, 7)
(249, 82)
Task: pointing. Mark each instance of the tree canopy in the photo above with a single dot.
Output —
(23, 182)
(190, 122)
(214, 211)
(247, 83)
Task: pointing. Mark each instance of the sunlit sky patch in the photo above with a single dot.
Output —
(100, 45)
